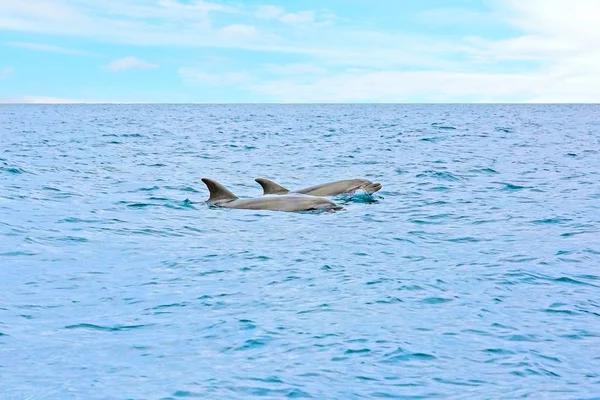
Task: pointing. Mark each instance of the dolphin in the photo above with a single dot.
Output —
(324, 189)
(220, 196)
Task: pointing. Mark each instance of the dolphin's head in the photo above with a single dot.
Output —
(326, 204)
(364, 185)
(371, 187)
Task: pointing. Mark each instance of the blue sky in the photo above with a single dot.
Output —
(191, 51)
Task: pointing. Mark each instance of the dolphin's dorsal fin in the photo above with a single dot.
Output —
(217, 191)
(270, 187)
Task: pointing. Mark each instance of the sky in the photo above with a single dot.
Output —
(301, 51)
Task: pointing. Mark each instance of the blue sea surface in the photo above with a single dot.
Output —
(473, 274)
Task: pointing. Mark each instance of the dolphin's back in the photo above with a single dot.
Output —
(290, 202)
(334, 188)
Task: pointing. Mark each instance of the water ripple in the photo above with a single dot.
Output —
(472, 274)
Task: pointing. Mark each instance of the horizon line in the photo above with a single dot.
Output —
(281, 103)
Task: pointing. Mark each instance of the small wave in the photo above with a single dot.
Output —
(176, 305)
(411, 288)
(551, 221)
(566, 279)
(148, 189)
(471, 382)
(499, 351)
(433, 139)
(13, 170)
(524, 338)
(570, 234)
(401, 355)
(436, 300)
(115, 328)
(510, 187)
(443, 127)
(579, 335)
(423, 222)
(182, 188)
(132, 135)
(357, 351)
(487, 171)
(555, 311)
(141, 205)
(187, 393)
(254, 343)
(466, 239)
(446, 176)
(518, 259)
(390, 300)
(293, 393)
(185, 204)
(76, 239)
(18, 253)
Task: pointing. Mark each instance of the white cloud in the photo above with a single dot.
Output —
(195, 76)
(295, 69)
(558, 41)
(379, 86)
(563, 37)
(37, 10)
(37, 100)
(131, 22)
(168, 22)
(397, 86)
(299, 17)
(553, 31)
(238, 32)
(49, 48)
(577, 19)
(53, 100)
(49, 100)
(443, 17)
(271, 12)
(197, 5)
(5, 72)
(556, 46)
(129, 63)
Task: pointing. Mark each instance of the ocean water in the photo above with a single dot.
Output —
(474, 273)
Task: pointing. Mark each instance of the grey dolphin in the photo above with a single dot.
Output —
(324, 189)
(222, 197)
